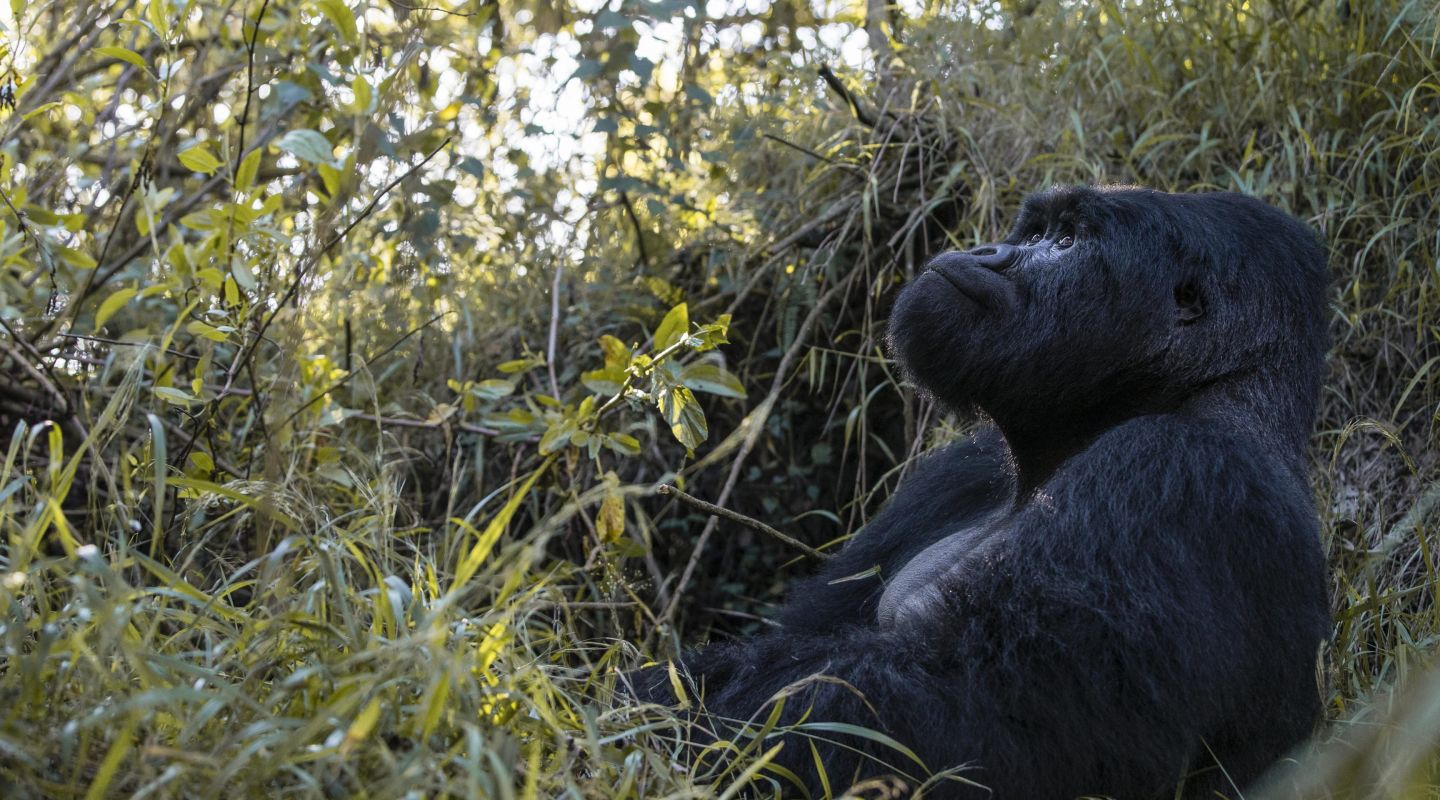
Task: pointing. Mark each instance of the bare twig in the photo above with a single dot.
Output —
(635, 223)
(368, 361)
(861, 115)
(401, 422)
(554, 326)
(734, 516)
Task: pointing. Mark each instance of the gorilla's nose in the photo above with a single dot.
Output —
(993, 256)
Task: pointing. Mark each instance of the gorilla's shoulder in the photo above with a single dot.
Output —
(1193, 459)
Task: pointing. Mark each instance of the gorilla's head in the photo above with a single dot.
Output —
(1105, 304)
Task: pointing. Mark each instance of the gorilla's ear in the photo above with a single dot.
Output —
(1189, 303)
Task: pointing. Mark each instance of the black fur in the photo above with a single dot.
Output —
(1123, 585)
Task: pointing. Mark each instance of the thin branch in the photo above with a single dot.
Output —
(401, 422)
(554, 327)
(635, 223)
(368, 361)
(734, 516)
(833, 80)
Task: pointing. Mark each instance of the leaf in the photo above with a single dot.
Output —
(112, 304)
(714, 334)
(493, 389)
(170, 394)
(124, 54)
(557, 435)
(75, 258)
(363, 95)
(610, 522)
(519, 365)
(682, 411)
(199, 159)
(362, 726)
(623, 443)
(675, 325)
(210, 332)
(440, 413)
(604, 381)
(341, 17)
(485, 542)
(616, 353)
(249, 168)
(307, 145)
(713, 379)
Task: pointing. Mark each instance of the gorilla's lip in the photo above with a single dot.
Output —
(968, 294)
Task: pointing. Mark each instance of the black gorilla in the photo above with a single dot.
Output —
(1118, 586)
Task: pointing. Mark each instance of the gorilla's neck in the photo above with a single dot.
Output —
(1039, 447)
(1272, 407)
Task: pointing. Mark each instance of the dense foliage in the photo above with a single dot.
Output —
(343, 344)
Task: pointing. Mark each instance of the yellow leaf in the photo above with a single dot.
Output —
(675, 326)
(361, 727)
(249, 168)
(124, 54)
(497, 526)
(610, 522)
(112, 304)
(341, 17)
(200, 159)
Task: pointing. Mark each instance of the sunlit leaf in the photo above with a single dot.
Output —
(112, 304)
(200, 159)
(307, 145)
(674, 326)
(711, 378)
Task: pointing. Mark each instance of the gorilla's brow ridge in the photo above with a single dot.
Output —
(1071, 207)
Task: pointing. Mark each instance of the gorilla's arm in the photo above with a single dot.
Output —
(1113, 631)
(949, 489)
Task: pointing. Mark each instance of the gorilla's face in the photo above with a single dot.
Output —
(1048, 319)
(1104, 304)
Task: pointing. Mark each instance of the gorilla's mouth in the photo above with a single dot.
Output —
(967, 293)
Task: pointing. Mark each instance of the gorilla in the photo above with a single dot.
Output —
(1116, 587)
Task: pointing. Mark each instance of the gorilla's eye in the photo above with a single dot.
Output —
(1065, 241)
(1034, 240)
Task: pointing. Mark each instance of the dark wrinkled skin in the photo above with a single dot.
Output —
(1116, 584)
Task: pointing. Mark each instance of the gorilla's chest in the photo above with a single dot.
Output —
(919, 585)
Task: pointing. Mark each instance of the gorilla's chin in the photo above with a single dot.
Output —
(932, 329)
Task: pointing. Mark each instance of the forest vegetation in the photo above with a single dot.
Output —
(344, 345)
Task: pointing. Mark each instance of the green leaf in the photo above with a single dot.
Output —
(616, 353)
(493, 389)
(682, 412)
(604, 381)
(610, 522)
(210, 332)
(341, 17)
(112, 304)
(713, 379)
(557, 435)
(519, 365)
(714, 334)
(124, 54)
(675, 325)
(623, 443)
(249, 168)
(307, 145)
(75, 258)
(172, 395)
(200, 159)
